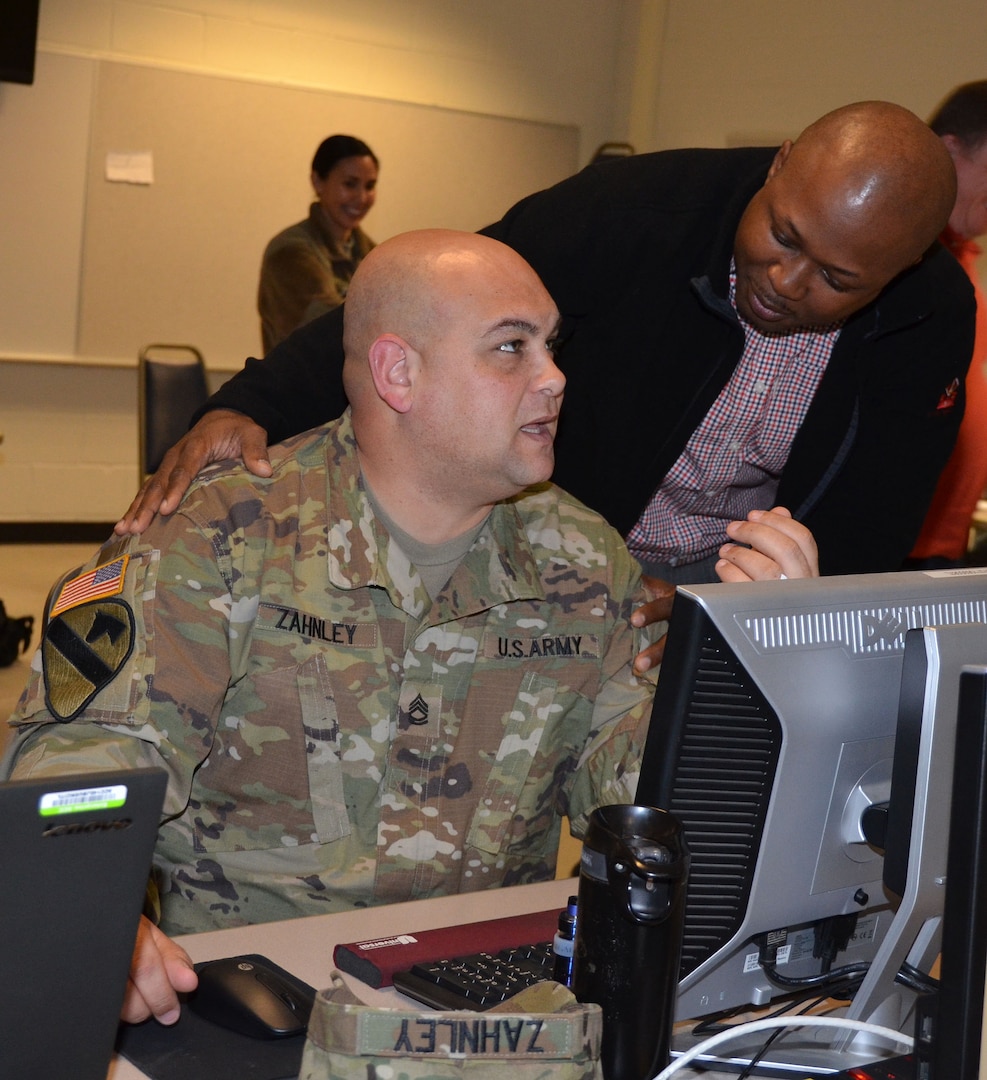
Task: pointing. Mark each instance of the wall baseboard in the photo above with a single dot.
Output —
(55, 532)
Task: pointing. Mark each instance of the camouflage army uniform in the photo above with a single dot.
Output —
(334, 738)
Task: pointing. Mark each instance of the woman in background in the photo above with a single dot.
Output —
(307, 268)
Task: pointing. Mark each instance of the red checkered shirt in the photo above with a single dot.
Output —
(734, 458)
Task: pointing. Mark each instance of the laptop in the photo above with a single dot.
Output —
(75, 853)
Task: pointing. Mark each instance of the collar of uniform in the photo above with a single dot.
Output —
(359, 550)
(499, 567)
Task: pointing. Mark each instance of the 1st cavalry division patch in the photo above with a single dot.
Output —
(83, 649)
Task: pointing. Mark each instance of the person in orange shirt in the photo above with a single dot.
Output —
(961, 123)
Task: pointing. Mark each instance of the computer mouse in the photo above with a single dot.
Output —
(253, 996)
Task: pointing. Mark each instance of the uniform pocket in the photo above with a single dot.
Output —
(274, 778)
(515, 792)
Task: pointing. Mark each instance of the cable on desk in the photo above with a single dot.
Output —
(713, 1024)
(905, 1041)
(776, 1034)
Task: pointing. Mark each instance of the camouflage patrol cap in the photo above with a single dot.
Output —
(541, 1032)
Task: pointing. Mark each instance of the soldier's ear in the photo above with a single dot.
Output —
(390, 369)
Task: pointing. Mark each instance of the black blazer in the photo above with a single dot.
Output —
(636, 253)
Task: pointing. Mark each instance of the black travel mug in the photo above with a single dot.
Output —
(632, 882)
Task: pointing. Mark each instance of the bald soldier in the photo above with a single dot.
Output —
(742, 329)
(387, 670)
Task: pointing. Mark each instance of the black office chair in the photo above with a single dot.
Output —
(171, 381)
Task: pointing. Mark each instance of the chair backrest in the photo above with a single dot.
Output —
(606, 151)
(171, 386)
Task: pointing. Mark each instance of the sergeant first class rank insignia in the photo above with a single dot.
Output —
(88, 639)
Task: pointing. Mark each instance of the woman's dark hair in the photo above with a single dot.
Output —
(332, 151)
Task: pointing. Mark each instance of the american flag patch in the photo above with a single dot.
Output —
(105, 580)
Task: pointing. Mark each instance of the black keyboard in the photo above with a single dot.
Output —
(479, 981)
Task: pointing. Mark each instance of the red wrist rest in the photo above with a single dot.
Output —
(375, 960)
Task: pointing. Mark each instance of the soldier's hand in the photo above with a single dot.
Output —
(159, 971)
(657, 609)
(770, 544)
(219, 435)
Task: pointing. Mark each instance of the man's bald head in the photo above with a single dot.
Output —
(415, 285)
(886, 163)
(386, 296)
(855, 200)
(451, 376)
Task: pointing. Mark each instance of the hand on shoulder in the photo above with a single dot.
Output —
(220, 434)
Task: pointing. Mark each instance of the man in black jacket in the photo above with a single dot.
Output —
(683, 277)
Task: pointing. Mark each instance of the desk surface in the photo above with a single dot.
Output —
(305, 946)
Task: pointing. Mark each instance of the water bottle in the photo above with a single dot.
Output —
(631, 904)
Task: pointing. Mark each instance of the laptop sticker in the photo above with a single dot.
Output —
(74, 802)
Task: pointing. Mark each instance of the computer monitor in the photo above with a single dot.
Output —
(958, 1025)
(772, 736)
(18, 41)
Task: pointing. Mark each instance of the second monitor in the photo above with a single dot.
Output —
(773, 740)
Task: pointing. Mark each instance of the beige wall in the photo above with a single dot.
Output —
(66, 404)
(754, 72)
(736, 70)
(547, 60)
(659, 72)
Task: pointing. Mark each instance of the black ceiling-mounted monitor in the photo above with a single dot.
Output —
(18, 40)
(773, 741)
